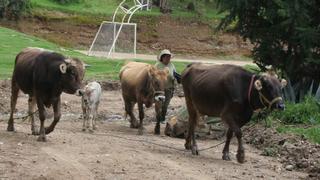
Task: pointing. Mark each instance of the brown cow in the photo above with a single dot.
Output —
(44, 75)
(230, 92)
(143, 84)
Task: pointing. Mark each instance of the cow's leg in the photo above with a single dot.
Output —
(193, 119)
(91, 119)
(240, 153)
(141, 116)
(56, 115)
(225, 152)
(158, 117)
(84, 116)
(42, 116)
(129, 110)
(232, 123)
(14, 97)
(31, 105)
(95, 116)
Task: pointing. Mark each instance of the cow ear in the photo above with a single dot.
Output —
(258, 85)
(283, 83)
(63, 68)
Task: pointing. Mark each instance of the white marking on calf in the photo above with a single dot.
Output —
(90, 103)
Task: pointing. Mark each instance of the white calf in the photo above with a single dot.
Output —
(90, 103)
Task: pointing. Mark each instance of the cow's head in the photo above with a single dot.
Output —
(269, 88)
(158, 80)
(72, 73)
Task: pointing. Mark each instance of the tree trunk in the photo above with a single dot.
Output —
(164, 6)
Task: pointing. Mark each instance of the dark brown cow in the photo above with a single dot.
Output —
(143, 84)
(230, 92)
(44, 75)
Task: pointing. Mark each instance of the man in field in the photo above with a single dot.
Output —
(164, 61)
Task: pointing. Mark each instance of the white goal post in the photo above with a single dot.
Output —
(114, 37)
(118, 37)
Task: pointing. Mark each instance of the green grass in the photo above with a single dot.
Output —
(94, 7)
(302, 119)
(13, 42)
(311, 133)
(105, 8)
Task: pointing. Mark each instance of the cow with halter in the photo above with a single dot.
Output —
(44, 75)
(229, 92)
(143, 84)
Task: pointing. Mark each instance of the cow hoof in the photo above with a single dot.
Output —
(140, 132)
(83, 129)
(91, 131)
(240, 157)
(35, 133)
(187, 146)
(42, 139)
(194, 150)
(134, 126)
(226, 157)
(10, 128)
(157, 131)
(94, 128)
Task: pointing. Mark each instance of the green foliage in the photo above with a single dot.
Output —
(305, 112)
(286, 35)
(13, 9)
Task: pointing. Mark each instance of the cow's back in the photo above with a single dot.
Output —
(24, 68)
(132, 77)
(211, 87)
(32, 64)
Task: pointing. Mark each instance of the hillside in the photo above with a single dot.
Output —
(187, 33)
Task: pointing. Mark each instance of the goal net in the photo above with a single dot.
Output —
(114, 38)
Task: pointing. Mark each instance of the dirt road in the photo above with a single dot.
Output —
(115, 151)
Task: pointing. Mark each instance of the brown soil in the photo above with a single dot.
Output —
(289, 149)
(183, 37)
(115, 151)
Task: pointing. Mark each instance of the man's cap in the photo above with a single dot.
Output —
(163, 52)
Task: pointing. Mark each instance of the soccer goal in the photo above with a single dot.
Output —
(113, 38)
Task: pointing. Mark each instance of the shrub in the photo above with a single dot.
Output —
(306, 112)
(13, 9)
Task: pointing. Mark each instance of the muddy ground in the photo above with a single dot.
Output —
(115, 151)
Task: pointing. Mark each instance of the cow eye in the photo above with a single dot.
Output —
(72, 73)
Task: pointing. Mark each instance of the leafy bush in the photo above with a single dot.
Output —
(306, 112)
(285, 34)
(13, 9)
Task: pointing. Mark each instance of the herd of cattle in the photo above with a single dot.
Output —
(225, 91)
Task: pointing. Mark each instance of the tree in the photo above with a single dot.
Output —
(13, 9)
(285, 34)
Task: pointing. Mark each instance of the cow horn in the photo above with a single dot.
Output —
(258, 85)
(63, 68)
(68, 61)
(283, 83)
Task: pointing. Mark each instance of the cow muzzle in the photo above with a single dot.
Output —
(79, 92)
(159, 96)
(280, 106)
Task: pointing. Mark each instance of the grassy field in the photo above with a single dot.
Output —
(13, 42)
(105, 8)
